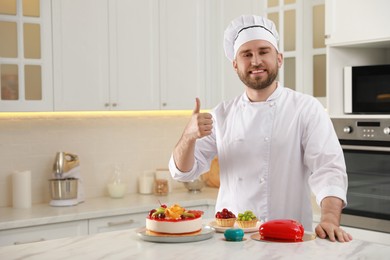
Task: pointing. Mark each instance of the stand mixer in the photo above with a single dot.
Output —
(66, 186)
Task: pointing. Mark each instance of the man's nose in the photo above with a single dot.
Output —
(256, 60)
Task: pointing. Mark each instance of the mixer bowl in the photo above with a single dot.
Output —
(195, 185)
(63, 189)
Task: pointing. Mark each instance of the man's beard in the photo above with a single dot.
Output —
(257, 82)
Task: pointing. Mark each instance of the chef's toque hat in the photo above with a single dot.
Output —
(246, 28)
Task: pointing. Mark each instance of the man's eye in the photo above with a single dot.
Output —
(248, 55)
(263, 52)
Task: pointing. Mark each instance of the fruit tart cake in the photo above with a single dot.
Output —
(225, 218)
(174, 220)
(246, 219)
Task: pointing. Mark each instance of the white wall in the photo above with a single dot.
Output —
(137, 142)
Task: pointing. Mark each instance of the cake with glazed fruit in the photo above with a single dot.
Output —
(174, 220)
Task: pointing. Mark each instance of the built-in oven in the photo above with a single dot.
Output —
(366, 147)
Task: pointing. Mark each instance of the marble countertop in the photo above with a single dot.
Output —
(126, 244)
(41, 214)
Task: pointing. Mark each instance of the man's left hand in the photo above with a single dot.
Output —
(333, 232)
(330, 221)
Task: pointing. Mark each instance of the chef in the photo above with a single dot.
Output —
(274, 145)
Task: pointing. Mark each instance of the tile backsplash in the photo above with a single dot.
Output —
(135, 143)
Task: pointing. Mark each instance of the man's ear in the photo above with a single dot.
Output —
(280, 60)
(235, 65)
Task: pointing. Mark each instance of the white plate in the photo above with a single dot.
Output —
(206, 233)
(246, 230)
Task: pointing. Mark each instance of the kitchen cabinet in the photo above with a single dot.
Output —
(80, 55)
(123, 55)
(134, 54)
(183, 53)
(141, 55)
(112, 223)
(25, 56)
(356, 37)
(351, 21)
(137, 54)
(105, 57)
(43, 232)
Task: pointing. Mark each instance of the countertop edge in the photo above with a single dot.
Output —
(43, 214)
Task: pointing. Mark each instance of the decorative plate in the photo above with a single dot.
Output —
(306, 237)
(205, 233)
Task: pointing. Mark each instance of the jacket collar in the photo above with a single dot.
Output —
(272, 97)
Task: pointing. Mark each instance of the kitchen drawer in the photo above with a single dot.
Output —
(99, 225)
(43, 232)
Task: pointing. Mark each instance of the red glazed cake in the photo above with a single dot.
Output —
(282, 230)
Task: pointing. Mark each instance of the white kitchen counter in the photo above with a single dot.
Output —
(126, 244)
(42, 214)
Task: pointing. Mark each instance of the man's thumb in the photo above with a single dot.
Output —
(197, 106)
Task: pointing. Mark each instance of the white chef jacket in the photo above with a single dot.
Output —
(270, 155)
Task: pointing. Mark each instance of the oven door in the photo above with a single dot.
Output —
(368, 196)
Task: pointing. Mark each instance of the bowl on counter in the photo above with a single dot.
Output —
(194, 185)
(63, 189)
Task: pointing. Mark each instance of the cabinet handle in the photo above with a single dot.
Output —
(164, 104)
(28, 242)
(114, 104)
(326, 36)
(120, 223)
(106, 104)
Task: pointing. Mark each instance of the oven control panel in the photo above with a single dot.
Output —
(362, 129)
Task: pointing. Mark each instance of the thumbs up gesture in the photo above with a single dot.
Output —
(200, 124)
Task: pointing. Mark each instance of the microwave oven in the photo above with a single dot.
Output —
(367, 89)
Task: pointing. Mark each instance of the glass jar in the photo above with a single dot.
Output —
(116, 186)
(161, 187)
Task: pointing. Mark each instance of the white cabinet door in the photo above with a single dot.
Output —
(357, 35)
(26, 80)
(353, 21)
(182, 53)
(99, 225)
(44, 232)
(134, 54)
(80, 55)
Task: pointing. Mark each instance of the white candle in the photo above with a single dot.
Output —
(21, 189)
(145, 184)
